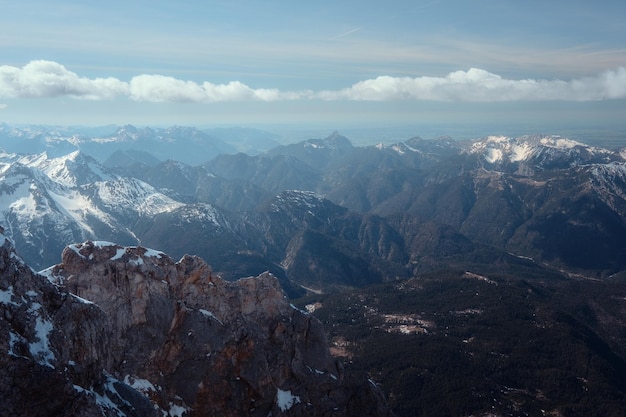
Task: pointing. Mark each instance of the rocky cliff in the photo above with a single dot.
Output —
(127, 331)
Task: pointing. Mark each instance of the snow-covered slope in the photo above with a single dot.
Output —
(28, 206)
(129, 196)
(538, 151)
(75, 168)
(49, 202)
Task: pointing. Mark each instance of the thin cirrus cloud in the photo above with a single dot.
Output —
(41, 79)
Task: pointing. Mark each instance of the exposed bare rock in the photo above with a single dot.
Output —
(159, 337)
(53, 350)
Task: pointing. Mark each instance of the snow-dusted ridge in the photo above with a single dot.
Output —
(132, 251)
(541, 148)
(296, 198)
(69, 170)
(48, 202)
(307, 198)
(123, 194)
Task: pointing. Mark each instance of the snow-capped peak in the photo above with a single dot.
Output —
(70, 170)
(503, 149)
(559, 142)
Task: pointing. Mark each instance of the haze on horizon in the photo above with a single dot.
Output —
(533, 65)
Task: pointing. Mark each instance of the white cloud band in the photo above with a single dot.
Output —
(39, 79)
(159, 88)
(478, 85)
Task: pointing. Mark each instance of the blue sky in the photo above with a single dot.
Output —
(334, 63)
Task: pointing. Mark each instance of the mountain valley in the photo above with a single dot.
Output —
(488, 342)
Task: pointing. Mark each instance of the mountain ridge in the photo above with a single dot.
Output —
(126, 331)
(511, 203)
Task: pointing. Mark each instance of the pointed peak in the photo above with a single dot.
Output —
(335, 135)
(338, 140)
(127, 128)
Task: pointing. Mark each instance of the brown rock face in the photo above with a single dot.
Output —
(190, 342)
(53, 350)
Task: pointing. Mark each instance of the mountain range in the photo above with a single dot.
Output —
(335, 223)
(186, 144)
(323, 213)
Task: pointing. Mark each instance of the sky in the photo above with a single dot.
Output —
(531, 64)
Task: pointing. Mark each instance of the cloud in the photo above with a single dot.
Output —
(159, 88)
(474, 85)
(348, 33)
(41, 79)
(614, 83)
(477, 85)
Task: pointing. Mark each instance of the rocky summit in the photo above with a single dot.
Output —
(127, 331)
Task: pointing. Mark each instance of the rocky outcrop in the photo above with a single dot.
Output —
(159, 337)
(54, 350)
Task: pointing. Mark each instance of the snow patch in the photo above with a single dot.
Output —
(141, 385)
(285, 400)
(559, 142)
(203, 212)
(77, 207)
(48, 273)
(102, 244)
(210, 315)
(398, 149)
(311, 308)
(74, 247)
(493, 155)
(82, 300)
(118, 254)
(308, 199)
(103, 401)
(520, 152)
(140, 197)
(297, 309)
(497, 139)
(40, 350)
(147, 253)
(151, 253)
(6, 296)
(176, 410)
(13, 340)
